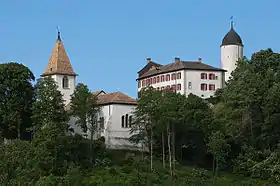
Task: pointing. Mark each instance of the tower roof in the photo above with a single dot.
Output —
(59, 62)
(232, 38)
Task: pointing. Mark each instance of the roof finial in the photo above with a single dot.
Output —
(58, 33)
(231, 22)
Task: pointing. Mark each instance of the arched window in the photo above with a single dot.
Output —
(122, 121)
(65, 82)
(126, 121)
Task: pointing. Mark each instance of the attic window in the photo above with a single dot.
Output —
(65, 82)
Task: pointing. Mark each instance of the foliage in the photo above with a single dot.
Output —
(16, 97)
(48, 107)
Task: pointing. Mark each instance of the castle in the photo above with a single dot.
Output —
(184, 77)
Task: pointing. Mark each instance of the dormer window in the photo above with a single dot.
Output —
(65, 82)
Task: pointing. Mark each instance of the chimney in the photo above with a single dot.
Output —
(199, 60)
(177, 59)
(148, 60)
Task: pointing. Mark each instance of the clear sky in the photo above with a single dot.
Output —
(108, 41)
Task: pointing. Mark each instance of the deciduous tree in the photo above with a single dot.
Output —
(16, 97)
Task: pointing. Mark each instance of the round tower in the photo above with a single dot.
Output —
(231, 51)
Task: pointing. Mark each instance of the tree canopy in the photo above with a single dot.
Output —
(16, 98)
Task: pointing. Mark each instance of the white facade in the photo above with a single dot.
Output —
(116, 130)
(67, 90)
(230, 54)
(198, 82)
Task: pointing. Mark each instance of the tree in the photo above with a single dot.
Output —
(80, 105)
(252, 101)
(48, 109)
(218, 146)
(84, 106)
(16, 97)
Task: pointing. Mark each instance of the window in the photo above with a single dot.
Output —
(211, 76)
(162, 78)
(162, 88)
(101, 123)
(130, 121)
(168, 88)
(179, 87)
(158, 79)
(203, 76)
(212, 87)
(65, 82)
(143, 83)
(179, 75)
(126, 121)
(190, 85)
(157, 88)
(216, 77)
(122, 121)
(173, 76)
(139, 94)
(154, 80)
(203, 86)
(174, 88)
(139, 84)
(167, 78)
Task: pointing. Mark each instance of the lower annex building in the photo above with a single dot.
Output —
(185, 77)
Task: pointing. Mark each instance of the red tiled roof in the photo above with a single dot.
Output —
(115, 98)
(59, 62)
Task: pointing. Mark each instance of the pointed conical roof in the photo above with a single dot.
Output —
(59, 62)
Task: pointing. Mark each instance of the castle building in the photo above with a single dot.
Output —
(194, 77)
(184, 77)
(114, 119)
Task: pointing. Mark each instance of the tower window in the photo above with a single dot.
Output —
(65, 82)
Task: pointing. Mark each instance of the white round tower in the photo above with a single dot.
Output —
(231, 51)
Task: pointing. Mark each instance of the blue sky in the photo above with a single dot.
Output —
(109, 41)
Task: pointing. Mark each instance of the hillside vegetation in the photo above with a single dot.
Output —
(230, 139)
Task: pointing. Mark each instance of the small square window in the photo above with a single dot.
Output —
(190, 85)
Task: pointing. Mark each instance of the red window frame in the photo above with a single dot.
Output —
(173, 76)
(168, 87)
(154, 80)
(211, 76)
(143, 83)
(158, 80)
(162, 78)
(202, 86)
(179, 87)
(203, 76)
(167, 77)
(212, 85)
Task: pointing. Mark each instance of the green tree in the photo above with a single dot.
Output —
(84, 107)
(16, 97)
(48, 109)
(80, 105)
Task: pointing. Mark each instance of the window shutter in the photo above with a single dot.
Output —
(214, 87)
